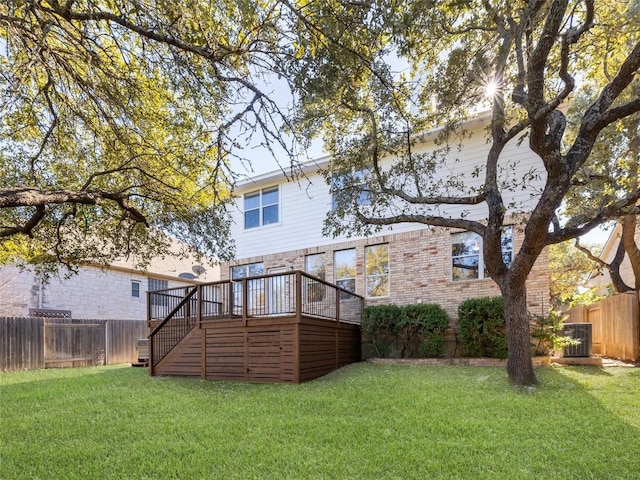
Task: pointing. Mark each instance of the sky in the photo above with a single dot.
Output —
(259, 160)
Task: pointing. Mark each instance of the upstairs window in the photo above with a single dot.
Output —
(467, 259)
(355, 181)
(261, 207)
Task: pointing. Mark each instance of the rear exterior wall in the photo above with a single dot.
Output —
(420, 270)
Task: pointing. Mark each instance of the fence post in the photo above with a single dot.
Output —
(106, 342)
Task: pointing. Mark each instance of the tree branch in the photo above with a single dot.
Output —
(613, 268)
(34, 197)
(28, 226)
(433, 221)
(611, 212)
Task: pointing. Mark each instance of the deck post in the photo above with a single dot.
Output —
(230, 293)
(199, 305)
(150, 337)
(245, 300)
(298, 294)
(148, 309)
(337, 292)
(187, 306)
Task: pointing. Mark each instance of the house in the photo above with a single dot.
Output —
(603, 278)
(277, 226)
(118, 291)
(288, 309)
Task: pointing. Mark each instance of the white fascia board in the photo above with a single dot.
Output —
(312, 166)
(278, 176)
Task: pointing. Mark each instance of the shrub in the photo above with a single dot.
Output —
(381, 325)
(410, 331)
(547, 332)
(424, 325)
(482, 327)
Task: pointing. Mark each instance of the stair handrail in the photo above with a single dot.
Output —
(152, 351)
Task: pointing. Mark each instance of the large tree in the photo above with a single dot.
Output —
(120, 115)
(613, 166)
(531, 53)
(569, 272)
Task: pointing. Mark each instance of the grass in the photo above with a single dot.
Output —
(364, 421)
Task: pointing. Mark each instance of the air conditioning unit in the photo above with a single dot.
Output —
(582, 333)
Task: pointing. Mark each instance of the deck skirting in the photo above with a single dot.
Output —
(287, 349)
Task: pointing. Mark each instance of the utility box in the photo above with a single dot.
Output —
(143, 353)
(582, 333)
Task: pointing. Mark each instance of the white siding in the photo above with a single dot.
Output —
(608, 254)
(303, 205)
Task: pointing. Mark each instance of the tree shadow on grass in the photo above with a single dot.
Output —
(368, 421)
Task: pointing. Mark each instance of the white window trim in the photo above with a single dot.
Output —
(261, 225)
(139, 283)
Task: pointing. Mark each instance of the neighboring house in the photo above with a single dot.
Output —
(278, 226)
(118, 291)
(602, 278)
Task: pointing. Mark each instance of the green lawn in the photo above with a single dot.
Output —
(364, 421)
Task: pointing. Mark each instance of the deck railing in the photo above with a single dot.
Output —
(292, 293)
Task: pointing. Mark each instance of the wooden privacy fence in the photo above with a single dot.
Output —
(615, 325)
(31, 343)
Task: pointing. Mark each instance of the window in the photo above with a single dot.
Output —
(135, 289)
(244, 271)
(261, 207)
(315, 265)
(344, 264)
(467, 262)
(157, 284)
(377, 270)
(255, 288)
(350, 184)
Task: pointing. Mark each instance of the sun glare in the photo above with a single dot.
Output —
(490, 89)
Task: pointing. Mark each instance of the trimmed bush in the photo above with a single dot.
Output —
(424, 325)
(482, 327)
(411, 331)
(381, 325)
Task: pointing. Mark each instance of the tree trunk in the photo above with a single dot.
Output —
(519, 364)
(628, 239)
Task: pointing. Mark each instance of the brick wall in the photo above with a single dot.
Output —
(91, 293)
(419, 270)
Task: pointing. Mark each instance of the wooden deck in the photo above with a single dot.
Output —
(275, 328)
